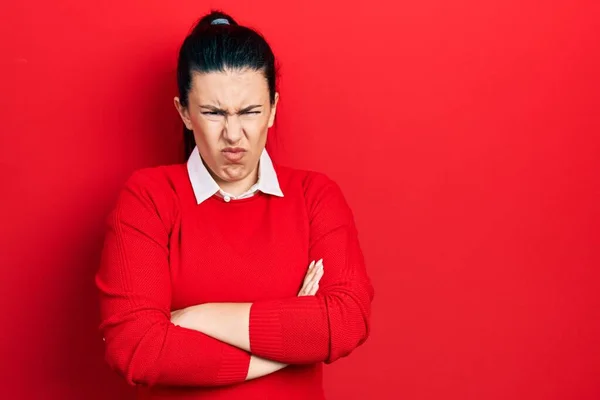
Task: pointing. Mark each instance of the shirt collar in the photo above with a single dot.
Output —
(204, 185)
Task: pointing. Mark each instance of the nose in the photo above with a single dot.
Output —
(234, 131)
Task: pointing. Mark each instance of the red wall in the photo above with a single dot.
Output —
(463, 132)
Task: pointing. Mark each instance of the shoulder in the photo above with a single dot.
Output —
(308, 180)
(318, 189)
(153, 189)
(158, 180)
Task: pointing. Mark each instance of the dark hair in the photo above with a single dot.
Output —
(219, 46)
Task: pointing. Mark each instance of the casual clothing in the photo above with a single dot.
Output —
(168, 247)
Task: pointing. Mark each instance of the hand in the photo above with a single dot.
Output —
(312, 278)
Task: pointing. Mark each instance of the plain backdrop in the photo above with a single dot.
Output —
(464, 133)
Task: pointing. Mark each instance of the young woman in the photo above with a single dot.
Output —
(229, 277)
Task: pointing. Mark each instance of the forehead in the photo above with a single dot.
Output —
(229, 88)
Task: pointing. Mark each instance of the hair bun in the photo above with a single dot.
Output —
(214, 18)
(219, 21)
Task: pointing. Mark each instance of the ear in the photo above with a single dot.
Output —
(183, 113)
(273, 110)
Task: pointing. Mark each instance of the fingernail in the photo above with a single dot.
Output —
(312, 264)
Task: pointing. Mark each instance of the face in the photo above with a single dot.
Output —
(230, 113)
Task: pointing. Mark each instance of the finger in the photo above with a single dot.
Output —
(309, 273)
(313, 288)
(316, 277)
(315, 285)
(312, 276)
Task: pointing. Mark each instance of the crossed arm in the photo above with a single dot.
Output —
(222, 344)
(228, 322)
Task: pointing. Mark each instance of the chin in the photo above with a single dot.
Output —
(233, 172)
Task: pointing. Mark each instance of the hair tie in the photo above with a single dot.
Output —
(220, 21)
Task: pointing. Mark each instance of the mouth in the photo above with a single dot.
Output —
(233, 154)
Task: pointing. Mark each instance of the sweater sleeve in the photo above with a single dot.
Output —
(331, 324)
(135, 302)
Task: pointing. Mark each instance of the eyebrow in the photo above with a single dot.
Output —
(221, 111)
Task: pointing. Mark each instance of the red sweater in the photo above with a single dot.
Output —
(163, 252)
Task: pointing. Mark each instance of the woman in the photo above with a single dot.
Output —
(204, 286)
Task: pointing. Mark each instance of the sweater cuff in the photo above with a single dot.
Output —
(265, 329)
(234, 366)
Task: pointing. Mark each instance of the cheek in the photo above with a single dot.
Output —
(255, 128)
(207, 132)
(199, 123)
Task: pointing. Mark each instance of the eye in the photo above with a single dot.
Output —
(252, 112)
(210, 113)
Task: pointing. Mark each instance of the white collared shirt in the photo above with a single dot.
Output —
(205, 186)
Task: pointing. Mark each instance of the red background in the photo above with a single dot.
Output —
(464, 134)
